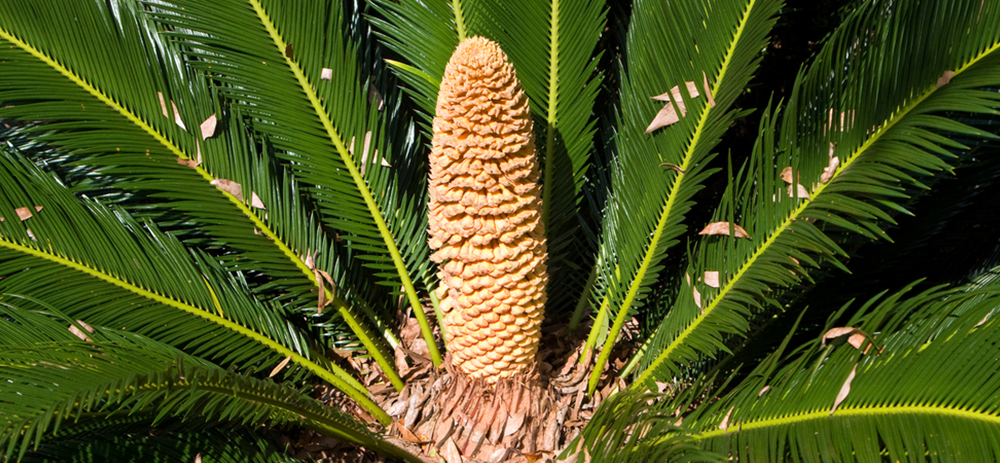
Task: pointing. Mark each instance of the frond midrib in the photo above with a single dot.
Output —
(675, 189)
(259, 224)
(334, 376)
(359, 181)
(853, 411)
(805, 202)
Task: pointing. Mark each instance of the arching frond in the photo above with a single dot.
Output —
(863, 122)
(54, 382)
(711, 47)
(102, 266)
(142, 134)
(313, 109)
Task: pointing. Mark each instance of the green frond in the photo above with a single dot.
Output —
(59, 80)
(910, 395)
(133, 441)
(116, 373)
(102, 266)
(881, 144)
(709, 44)
(320, 123)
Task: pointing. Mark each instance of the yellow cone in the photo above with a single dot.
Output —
(485, 215)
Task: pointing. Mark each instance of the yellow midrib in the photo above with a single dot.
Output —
(359, 181)
(844, 412)
(791, 218)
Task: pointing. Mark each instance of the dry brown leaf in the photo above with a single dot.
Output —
(450, 452)
(672, 166)
(163, 104)
(786, 174)
(831, 168)
(666, 116)
(725, 421)
(280, 366)
(945, 78)
(326, 74)
(697, 296)
(803, 193)
(834, 333)
(981, 322)
(844, 390)
(687, 277)
(177, 116)
(208, 127)
(230, 187)
(197, 458)
(708, 90)
(762, 391)
(722, 228)
(374, 96)
(289, 53)
(712, 279)
(407, 434)
(80, 334)
(255, 201)
(24, 213)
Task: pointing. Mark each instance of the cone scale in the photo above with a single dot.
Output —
(485, 215)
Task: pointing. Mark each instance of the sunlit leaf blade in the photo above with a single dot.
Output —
(911, 394)
(666, 49)
(102, 266)
(326, 131)
(121, 136)
(883, 143)
(55, 382)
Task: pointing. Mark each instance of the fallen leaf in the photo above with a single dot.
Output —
(280, 366)
(80, 334)
(672, 166)
(803, 193)
(945, 78)
(712, 279)
(163, 104)
(722, 228)
(177, 116)
(288, 51)
(987, 317)
(208, 127)
(834, 333)
(666, 116)
(450, 452)
(844, 390)
(326, 74)
(24, 213)
(697, 296)
(708, 91)
(786, 174)
(687, 276)
(230, 187)
(407, 434)
(197, 458)
(255, 201)
(374, 94)
(831, 168)
(725, 421)
(762, 391)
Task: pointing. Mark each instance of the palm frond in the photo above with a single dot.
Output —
(102, 266)
(54, 382)
(862, 103)
(906, 395)
(58, 79)
(337, 146)
(715, 48)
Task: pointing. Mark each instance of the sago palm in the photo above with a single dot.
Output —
(496, 230)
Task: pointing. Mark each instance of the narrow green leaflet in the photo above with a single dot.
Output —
(702, 56)
(862, 122)
(289, 67)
